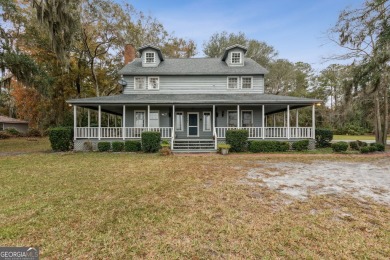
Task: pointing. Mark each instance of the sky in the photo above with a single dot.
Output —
(297, 29)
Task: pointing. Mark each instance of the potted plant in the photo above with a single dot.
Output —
(165, 148)
(224, 148)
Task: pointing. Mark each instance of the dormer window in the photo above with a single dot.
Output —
(236, 58)
(150, 57)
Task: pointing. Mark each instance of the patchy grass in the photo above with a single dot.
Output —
(23, 145)
(118, 205)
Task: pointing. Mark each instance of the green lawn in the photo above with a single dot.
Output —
(124, 205)
(355, 137)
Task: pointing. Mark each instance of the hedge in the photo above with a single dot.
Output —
(104, 146)
(61, 138)
(13, 132)
(323, 137)
(132, 146)
(340, 147)
(151, 142)
(117, 146)
(268, 146)
(238, 139)
(301, 145)
(379, 147)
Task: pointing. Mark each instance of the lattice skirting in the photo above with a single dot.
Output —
(91, 144)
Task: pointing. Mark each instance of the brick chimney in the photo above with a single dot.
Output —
(129, 53)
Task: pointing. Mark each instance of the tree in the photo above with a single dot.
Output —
(257, 50)
(364, 33)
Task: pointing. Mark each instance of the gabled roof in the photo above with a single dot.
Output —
(149, 46)
(225, 54)
(10, 120)
(193, 66)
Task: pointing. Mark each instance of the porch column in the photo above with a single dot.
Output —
(288, 121)
(74, 122)
(274, 120)
(238, 116)
(173, 125)
(148, 116)
(99, 122)
(124, 122)
(89, 123)
(296, 119)
(115, 120)
(284, 118)
(215, 143)
(313, 118)
(263, 122)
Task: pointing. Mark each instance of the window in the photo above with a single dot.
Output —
(232, 118)
(247, 118)
(153, 83)
(150, 57)
(139, 118)
(206, 121)
(154, 119)
(246, 82)
(232, 82)
(139, 83)
(179, 124)
(236, 57)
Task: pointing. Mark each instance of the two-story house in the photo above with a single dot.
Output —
(192, 102)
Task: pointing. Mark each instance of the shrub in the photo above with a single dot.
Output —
(104, 146)
(268, 146)
(340, 147)
(372, 148)
(323, 137)
(165, 150)
(150, 142)
(33, 132)
(13, 132)
(238, 139)
(117, 146)
(132, 146)
(361, 144)
(301, 145)
(4, 135)
(354, 145)
(165, 143)
(379, 147)
(88, 146)
(365, 149)
(61, 138)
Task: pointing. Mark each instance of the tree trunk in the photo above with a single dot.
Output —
(386, 111)
(378, 124)
(95, 81)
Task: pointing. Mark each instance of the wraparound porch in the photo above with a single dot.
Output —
(206, 122)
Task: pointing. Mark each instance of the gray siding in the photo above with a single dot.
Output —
(229, 57)
(22, 128)
(165, 117)
(194, 84)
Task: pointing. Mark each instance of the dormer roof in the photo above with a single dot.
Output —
(225, 54)
(149, 46)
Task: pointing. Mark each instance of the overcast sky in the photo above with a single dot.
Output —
(296, 28)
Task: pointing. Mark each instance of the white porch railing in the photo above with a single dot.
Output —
(116, 132)
(270, 132)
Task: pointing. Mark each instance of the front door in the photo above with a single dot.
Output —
(193, 124)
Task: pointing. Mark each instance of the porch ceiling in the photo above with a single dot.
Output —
(195, 99)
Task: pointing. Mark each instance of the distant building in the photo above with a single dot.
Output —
(9, 122)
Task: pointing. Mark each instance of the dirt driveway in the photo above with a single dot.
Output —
(299, 180)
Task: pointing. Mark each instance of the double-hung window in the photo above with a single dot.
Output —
(153, 83)
(139, 83)
(246, 82)
(247, 118)
(232, 118)
(236, 58)
(179, 124)
(150, 57)
(233, 82)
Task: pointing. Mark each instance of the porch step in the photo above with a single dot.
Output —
(193, 145)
